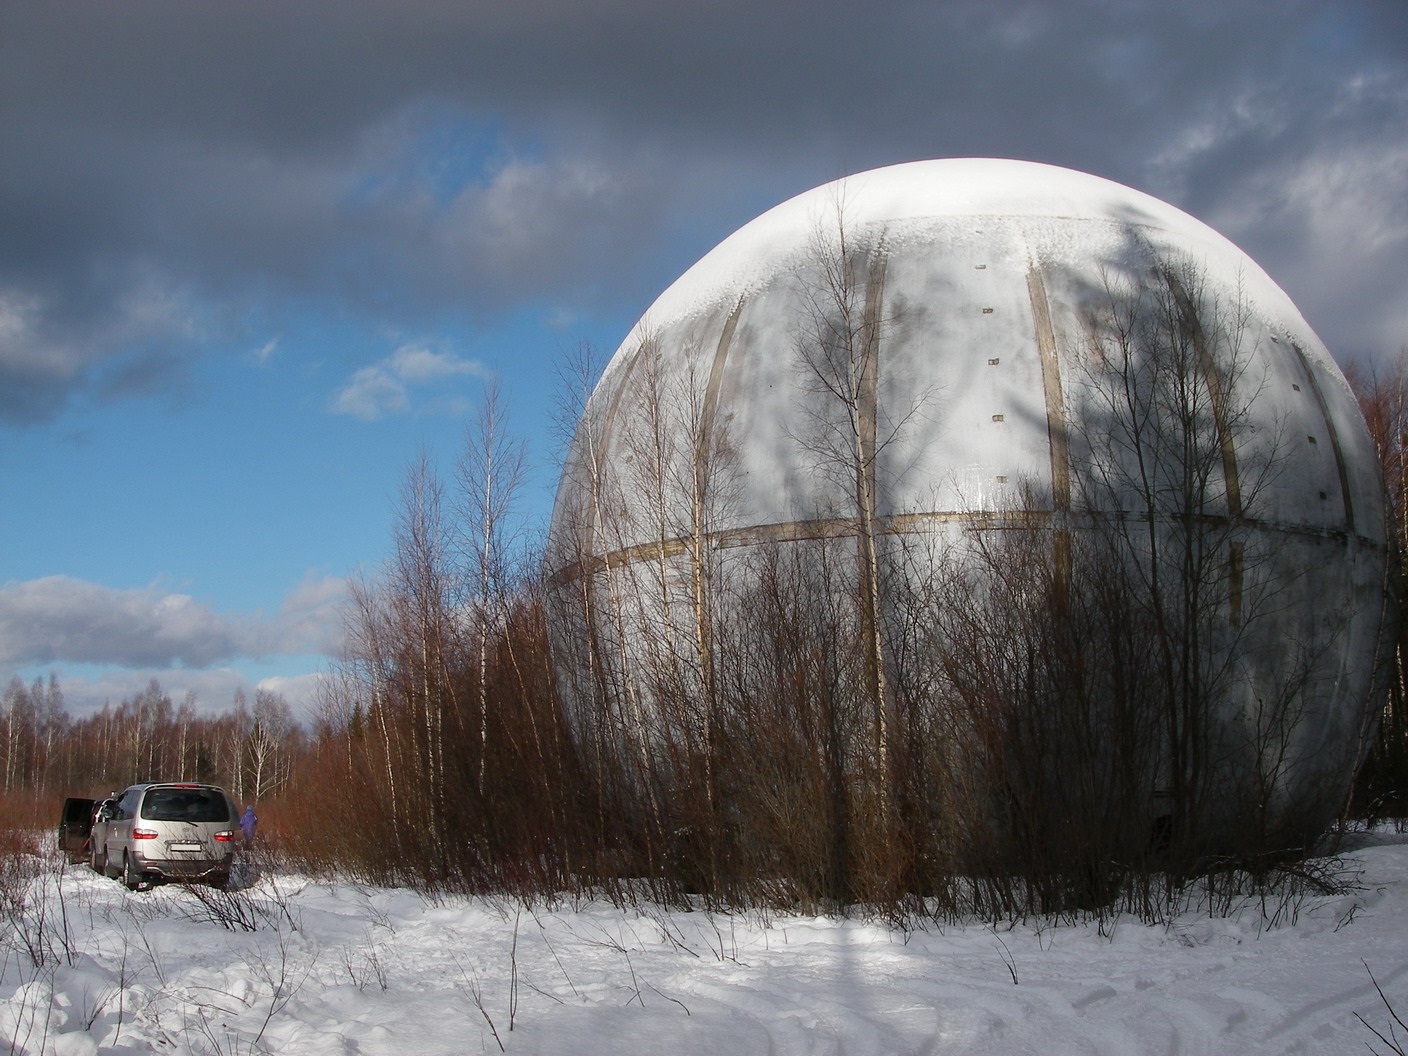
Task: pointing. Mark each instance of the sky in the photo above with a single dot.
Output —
(256, 259)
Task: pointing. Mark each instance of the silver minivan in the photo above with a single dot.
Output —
(171, 831)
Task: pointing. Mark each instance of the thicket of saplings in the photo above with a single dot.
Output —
(999, 758)
(1041, 712)
(996, 759)
(1048, 698)
(1014, 778)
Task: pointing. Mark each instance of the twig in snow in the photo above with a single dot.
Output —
(544, 932)
(1392, 1040)
(513, 972)
(476, 994)
(667, 997)
(634, 982)
(1007, 958)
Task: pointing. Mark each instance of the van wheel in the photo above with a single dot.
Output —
(130, 877)
(97, 860)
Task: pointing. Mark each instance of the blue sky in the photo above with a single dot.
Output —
(257, 257)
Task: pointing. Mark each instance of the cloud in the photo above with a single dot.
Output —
(265, 352)
(1348, 217)
(168, 170)
(35, 372)
(302, 692)
(310, 618)
(371, 394)
(385, 388)
(212, 690)
(61, 619)
(418, 365)
(106, 645)
(58, 619)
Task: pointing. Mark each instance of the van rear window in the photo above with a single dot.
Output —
(185, 804)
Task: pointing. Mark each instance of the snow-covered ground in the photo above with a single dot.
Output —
(347, 969)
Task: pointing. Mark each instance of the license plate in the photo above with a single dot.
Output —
(184, 847)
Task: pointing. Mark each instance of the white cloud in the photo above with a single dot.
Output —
(62, 619)
(310, 618)
(58, 619)
(25, 352)
(539, 224)
(417, 364)
(385, 387)
(106, 645)
(371, 394)
(155, 306)
(265, 351)
(1332, 228)
(300, 691)
(522, 204)
(213, 691)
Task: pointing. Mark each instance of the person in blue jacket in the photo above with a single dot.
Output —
(248, 820)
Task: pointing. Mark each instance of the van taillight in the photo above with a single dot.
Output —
(225, 837)
(143, 834)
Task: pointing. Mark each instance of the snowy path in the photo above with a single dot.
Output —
(381, 973)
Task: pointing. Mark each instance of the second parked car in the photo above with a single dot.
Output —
(75, 823)
(170, 831)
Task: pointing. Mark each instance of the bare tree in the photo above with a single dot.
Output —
(422, 594)
(267, 748)
(596, 634)
(17, 734)
(490, 477)
(838, 348)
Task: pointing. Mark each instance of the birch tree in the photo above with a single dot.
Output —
(838, 349)
(490, 477)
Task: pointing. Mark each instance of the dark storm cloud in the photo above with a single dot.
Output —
(170, 170)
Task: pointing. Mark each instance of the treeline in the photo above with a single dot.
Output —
(1381, 790)
(995, 760)
(46, 753)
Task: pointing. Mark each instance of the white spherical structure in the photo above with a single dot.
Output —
(925, 351)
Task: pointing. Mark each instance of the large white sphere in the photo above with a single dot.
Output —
(982, 280)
